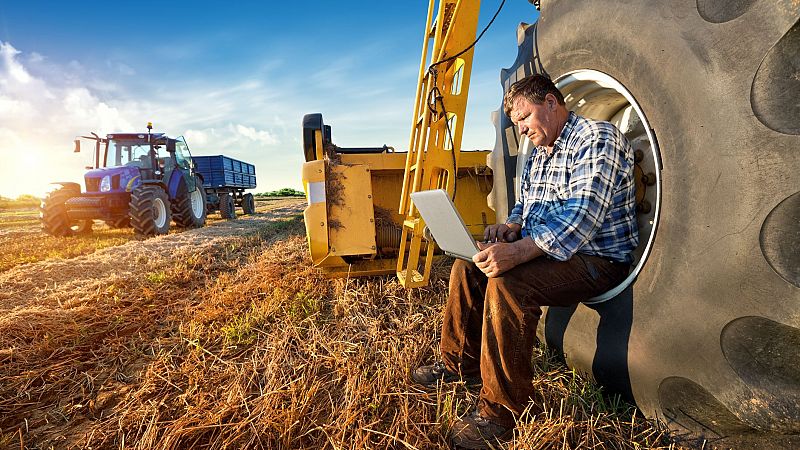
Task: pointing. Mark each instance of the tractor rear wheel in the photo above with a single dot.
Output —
(149, 211)
(248, 204)
(227, 209)
(53, 213)
(189, 210)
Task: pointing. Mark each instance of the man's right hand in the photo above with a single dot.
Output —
(502, 232)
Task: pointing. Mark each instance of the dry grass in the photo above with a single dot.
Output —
(20, 217)
(21, 250)
(22, 240)
(241, 344)
(334, 185)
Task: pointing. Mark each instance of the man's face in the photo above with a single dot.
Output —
(537, 121)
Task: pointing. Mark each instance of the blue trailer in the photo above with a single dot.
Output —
(225, 180)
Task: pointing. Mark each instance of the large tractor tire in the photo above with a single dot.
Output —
(53, 213)
(189, 209)
(149, 210)
(227, 207)
(705, 333)
(248, 204)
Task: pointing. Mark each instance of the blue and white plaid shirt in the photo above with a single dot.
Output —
(581, 197)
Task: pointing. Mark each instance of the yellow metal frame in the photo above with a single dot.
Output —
(315, 215)
(437, 126)
(359, 213)
(342, 200)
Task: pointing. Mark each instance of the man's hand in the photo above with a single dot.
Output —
(496, 258)
(502, 232)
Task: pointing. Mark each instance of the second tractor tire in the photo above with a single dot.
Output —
(189, 208)
(150, 210)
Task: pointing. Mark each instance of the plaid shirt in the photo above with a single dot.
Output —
(581, 198)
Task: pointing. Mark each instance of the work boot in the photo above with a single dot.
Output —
(429, 376)
(475, 431)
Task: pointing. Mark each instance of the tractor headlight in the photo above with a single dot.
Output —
(105, 184)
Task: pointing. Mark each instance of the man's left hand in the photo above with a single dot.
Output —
(496, 258)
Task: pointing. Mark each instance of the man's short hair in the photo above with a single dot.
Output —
(533, 88)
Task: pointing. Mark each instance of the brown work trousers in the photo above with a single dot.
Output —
(490, 323)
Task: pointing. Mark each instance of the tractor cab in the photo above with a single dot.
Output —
(160, 153)
(126, 160)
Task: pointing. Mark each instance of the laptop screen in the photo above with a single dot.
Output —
(444, 222)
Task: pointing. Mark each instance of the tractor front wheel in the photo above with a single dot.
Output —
(149, 211)
(53, 213)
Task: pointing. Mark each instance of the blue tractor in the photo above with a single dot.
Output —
(139, 180)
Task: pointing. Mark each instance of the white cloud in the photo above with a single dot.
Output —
(11, 108)
(261, 136)
(35, 58)
(121, 68)
(233, 138)
(197, 137)
(39, 119)
(16, 73)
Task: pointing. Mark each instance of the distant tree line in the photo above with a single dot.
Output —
(23, 201)
(285, 192)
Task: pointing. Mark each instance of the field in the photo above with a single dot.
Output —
(226, 337)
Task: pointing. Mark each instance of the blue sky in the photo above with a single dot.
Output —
(235, 78)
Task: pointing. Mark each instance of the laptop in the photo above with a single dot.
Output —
(444, 222)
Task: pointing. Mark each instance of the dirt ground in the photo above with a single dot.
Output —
(49, 282)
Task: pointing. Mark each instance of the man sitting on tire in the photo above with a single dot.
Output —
(568, 239)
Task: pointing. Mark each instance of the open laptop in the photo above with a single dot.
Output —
(445, 223)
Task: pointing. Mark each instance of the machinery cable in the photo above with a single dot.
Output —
(436, 94)
(485, 29)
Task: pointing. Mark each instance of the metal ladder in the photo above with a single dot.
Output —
(437, 125)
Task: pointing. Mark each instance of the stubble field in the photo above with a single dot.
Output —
(226, 337)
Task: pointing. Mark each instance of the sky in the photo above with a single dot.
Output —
(233, 78)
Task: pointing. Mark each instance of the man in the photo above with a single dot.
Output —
(568, 238)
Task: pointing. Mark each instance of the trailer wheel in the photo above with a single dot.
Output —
(53, 213)
(227, 209)
(189, 210)
(149, 210)
(724, 119)
(248, 204)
